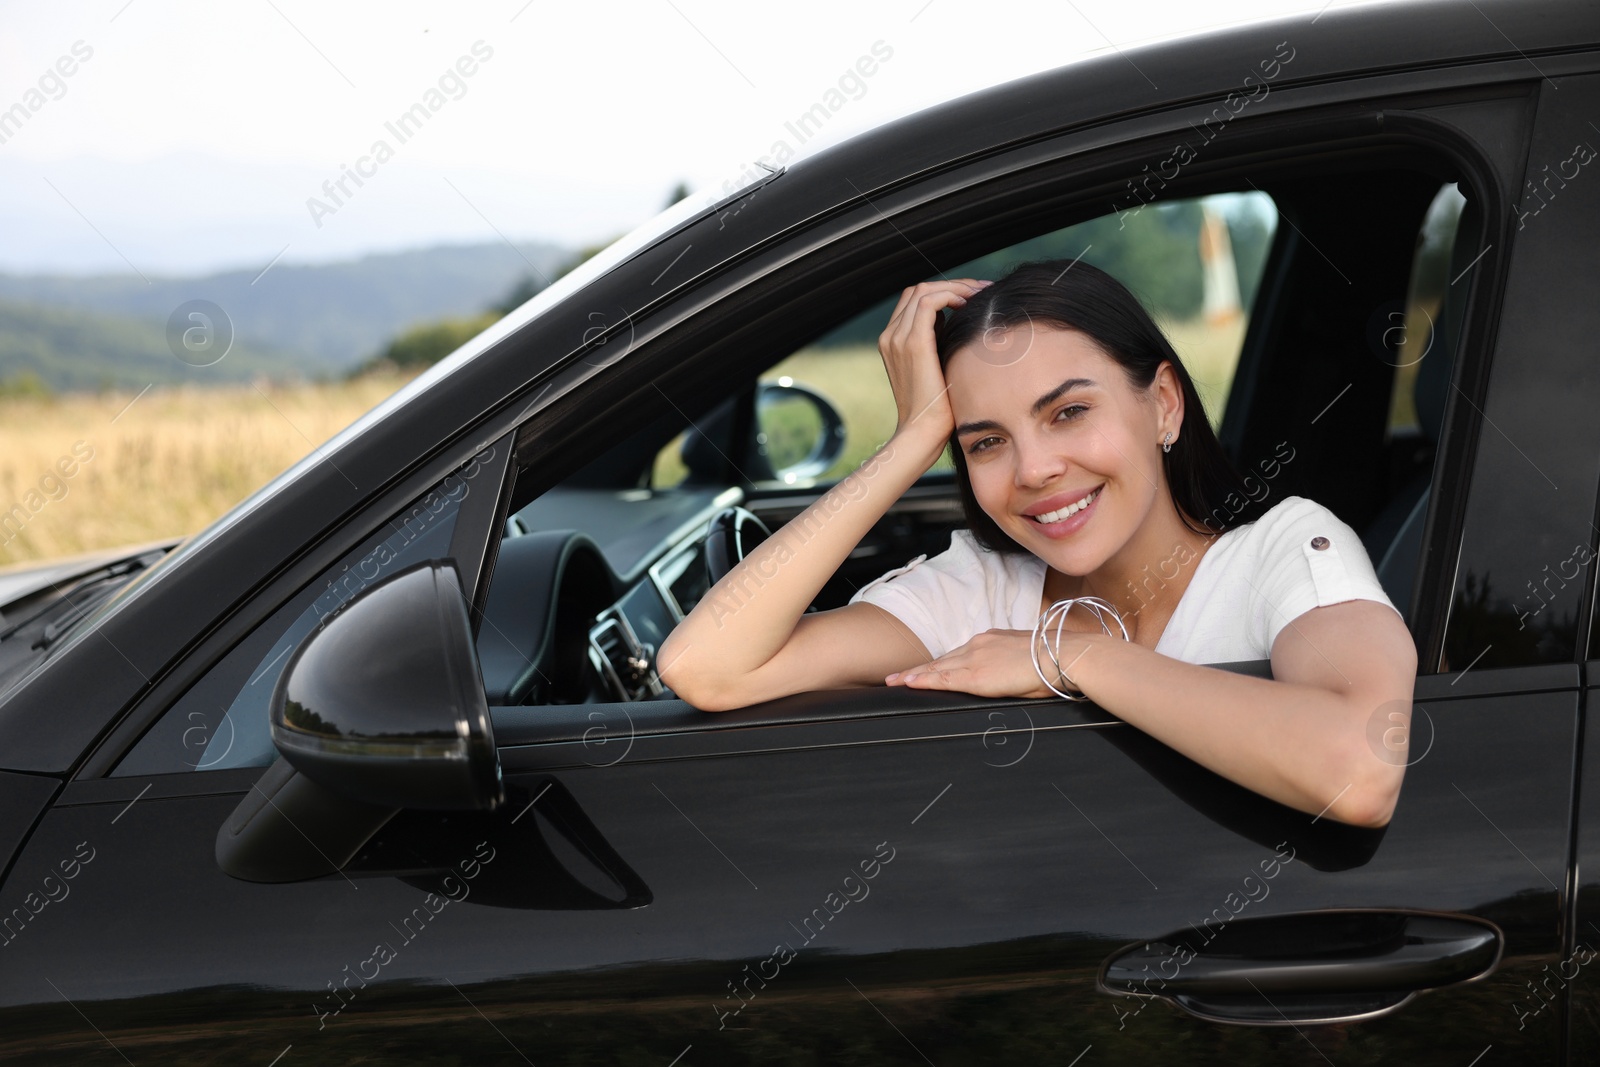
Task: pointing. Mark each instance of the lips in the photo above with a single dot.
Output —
(1062, 506)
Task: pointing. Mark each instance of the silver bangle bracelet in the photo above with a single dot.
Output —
(1056, 615)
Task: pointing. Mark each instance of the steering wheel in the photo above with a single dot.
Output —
(730, 536)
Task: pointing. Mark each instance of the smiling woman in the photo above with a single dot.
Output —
(1086, 469)
(1063, 498)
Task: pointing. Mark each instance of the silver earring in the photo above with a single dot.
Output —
(1166, 443)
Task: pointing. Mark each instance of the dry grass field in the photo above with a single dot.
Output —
(168, 462)
(165, 465)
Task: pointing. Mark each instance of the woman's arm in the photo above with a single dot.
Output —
(1316, 736)
(1311, 736)
(748, 639)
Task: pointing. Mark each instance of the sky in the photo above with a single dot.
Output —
(176, 137)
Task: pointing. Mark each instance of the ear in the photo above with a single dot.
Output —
(1169, 398)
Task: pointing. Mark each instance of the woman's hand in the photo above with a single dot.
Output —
(997, 663)
(911, 357)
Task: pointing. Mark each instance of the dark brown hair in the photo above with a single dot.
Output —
(1077, 296)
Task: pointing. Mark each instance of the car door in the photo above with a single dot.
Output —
(872, 875)
(908, 877)
(1560, 587)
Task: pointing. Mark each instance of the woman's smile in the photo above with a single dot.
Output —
(1064, 519)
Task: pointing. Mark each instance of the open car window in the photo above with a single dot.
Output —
(612, 556)
(816, 413)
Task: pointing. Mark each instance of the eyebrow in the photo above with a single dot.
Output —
(1038, 405)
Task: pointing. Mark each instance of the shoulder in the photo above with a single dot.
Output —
(968, 559)
(1261, 575)
(1307, 557)
(1293, 520)
(964, 551)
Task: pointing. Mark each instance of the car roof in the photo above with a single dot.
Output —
(1383, 36)
(1339, 42)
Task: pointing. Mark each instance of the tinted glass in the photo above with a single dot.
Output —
(1529, 531)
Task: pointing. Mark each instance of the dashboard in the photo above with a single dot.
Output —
(587, 585)
(626, 635)
(588, 582)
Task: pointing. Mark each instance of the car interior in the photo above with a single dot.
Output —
(1339, 354)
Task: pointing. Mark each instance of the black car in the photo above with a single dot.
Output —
(378, 769)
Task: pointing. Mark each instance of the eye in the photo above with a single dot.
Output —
(1071, 411)
(983, 444)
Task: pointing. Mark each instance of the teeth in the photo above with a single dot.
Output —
(1068, 511)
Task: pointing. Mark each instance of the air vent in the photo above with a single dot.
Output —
(620, 658)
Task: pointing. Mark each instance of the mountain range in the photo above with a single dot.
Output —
(288, 321)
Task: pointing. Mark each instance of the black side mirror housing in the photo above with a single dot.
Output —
(384, 701)
(382, 707)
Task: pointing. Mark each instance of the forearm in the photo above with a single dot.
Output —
(746, 618)
(1301, 745)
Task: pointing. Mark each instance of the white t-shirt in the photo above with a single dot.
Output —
(1251, 582)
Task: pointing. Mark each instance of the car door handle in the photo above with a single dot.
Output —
(1321, 966)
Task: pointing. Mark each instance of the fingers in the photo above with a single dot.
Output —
(933, 674)
(899, 677)
(928, 676)
(909, 347)
(920, 671)
(913, 322)
(959, 288)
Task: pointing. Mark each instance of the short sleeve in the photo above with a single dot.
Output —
(935, 596)
(1309, 559)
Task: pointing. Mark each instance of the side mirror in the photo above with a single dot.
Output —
(381, 708)
(800, 431)
(384, 701)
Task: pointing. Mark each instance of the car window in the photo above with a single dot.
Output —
(221, 721)
(1196, 263)
(1414, 327)
(1305, 341)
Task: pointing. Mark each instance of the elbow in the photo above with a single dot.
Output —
(697, 689)
(708, 698)
(1370, 809)
(1373, 793)
(671, 671)
(705, 685)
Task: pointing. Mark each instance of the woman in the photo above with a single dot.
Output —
(1086, 468)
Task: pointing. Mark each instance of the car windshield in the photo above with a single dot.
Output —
(33, 633)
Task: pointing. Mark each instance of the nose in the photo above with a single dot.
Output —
(1039, 461)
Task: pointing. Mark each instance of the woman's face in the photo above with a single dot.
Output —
(1047, 421)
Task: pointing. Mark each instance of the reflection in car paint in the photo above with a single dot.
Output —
(820, 915)
(1224, 913)
(385, 953)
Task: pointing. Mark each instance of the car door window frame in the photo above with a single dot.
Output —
(1014, 204)
(1011, 193)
